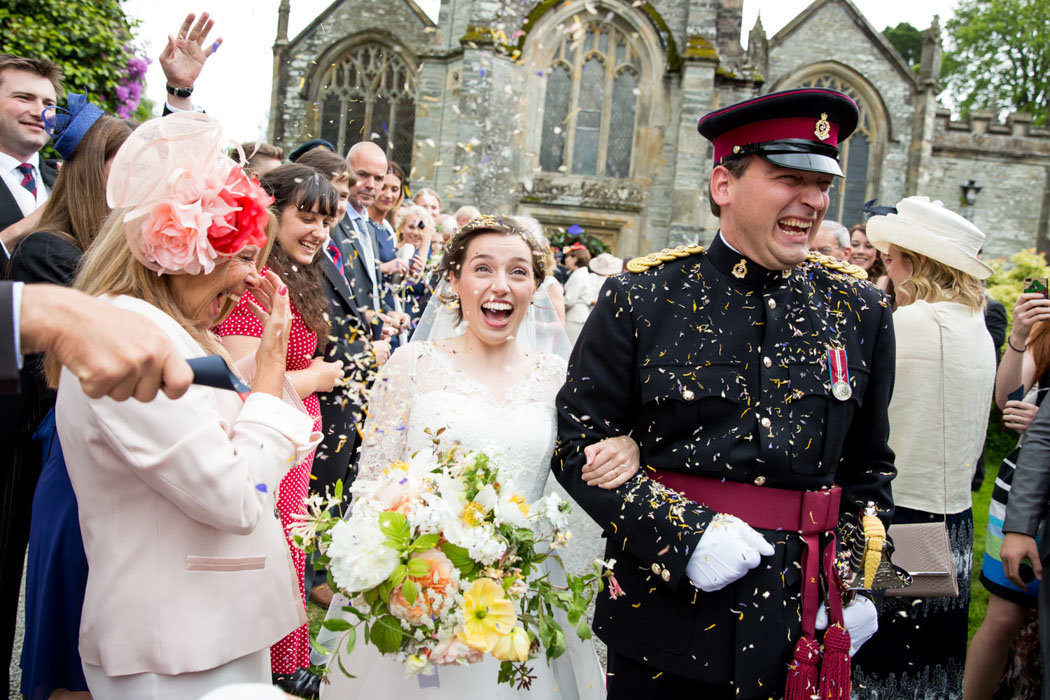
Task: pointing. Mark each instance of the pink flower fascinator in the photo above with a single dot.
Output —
(187, 204)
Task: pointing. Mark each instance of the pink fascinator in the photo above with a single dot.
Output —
(187, 203)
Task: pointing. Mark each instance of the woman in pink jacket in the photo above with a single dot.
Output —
(189, 578)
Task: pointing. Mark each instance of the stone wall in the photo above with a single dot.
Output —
(832, 36)
(322, 42)
(1010, 161)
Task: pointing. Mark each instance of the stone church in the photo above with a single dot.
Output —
(584, 111)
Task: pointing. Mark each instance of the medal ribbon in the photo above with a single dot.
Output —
(837, 366)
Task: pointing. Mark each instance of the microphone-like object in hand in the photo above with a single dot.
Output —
(404, 254)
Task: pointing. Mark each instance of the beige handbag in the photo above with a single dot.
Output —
(924, 549)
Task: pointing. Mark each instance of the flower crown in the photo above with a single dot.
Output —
(188, 203)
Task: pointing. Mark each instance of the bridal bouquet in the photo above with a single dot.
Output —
(441, 559)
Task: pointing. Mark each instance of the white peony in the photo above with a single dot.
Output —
(508, 506)
(360, 558)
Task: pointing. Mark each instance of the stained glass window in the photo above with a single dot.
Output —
(554, 114)
(621, 125)
(589, 117)
(370, 94)
(591, 100)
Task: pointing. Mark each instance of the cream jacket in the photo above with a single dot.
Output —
(921, 440)
(188, 566)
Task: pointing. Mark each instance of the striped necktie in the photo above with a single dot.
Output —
(28, 181)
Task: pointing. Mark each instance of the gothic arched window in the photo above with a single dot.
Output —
(855, 155)
(370, 94)
(591, 101)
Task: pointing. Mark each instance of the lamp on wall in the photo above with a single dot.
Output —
(970, 190)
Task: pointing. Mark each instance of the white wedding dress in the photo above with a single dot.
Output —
(420, 391)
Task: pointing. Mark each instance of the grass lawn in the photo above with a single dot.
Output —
(981, 499)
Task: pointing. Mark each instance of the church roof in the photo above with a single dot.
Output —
(875, 36)
(327, 12)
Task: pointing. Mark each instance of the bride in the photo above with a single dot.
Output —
(486, 390)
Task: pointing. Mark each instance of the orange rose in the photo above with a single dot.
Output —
(435, 589)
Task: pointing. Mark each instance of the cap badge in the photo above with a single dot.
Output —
(823, 130)
(740, 269)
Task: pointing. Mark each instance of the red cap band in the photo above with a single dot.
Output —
(775, 130)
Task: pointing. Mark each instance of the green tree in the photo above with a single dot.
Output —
(998, 56)
(90, 40)
(908, 42)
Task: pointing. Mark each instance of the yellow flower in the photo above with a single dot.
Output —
(489, 615)
(402, 465)
(513, 647)
(473, 514)
(522, 504)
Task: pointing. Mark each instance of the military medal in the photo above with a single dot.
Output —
(840, 387)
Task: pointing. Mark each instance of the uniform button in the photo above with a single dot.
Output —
(656, 568)
(767, 362)
(772, 303)
(765, 422)
(665, 575)
(760, 481)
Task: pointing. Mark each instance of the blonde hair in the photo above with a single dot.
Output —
(933, 281)
(418, 212)
(108, 267)
(426, 191)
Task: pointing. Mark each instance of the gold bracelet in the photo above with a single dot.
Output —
(1011, 346)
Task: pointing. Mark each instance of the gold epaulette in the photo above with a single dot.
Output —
(837, 265)
(666, 255)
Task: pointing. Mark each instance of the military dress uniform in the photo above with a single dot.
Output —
(719, 368)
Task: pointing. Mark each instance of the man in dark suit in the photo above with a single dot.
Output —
(27, 87)
(755, 377)
(367, 164)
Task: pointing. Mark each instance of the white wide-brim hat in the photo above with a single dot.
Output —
(606, 264)
(930, 229)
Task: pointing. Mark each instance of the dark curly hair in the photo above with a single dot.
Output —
(305, 188)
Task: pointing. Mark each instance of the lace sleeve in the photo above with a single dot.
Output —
(389, 407)
(550, 375)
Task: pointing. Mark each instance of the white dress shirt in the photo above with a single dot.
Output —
(13, 179)
(359, 224)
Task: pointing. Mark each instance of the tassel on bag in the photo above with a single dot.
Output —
(803, 677)
(835, 683)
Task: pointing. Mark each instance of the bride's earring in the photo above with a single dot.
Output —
(452, 304)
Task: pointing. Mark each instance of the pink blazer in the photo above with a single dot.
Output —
(188, 566)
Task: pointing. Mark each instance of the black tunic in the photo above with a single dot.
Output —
(717, 367)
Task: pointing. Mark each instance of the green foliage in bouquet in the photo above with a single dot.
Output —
(444, 562)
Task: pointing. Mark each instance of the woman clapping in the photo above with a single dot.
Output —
(189, 581)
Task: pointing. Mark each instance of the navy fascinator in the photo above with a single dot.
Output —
(68, 126)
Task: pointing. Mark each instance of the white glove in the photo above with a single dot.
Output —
(727, 550)
(861, 618)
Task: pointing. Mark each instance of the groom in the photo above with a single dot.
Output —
(756, 381)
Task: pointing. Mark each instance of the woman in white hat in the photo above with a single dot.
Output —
(938, 417)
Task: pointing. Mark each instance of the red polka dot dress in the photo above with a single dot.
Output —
(293, 651)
